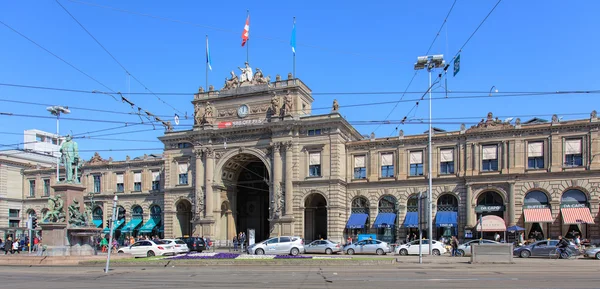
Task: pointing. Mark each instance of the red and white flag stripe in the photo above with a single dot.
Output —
(245, 33)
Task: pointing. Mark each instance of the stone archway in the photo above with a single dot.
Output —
(183, 224)
(315, 217)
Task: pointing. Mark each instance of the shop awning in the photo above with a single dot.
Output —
(446, 219)
(149, 226)
(491, 223)
(385, 220)
(130, 227)
(541, 215)
(411, 220)
(98, 223)
(118, 224)
(357, 221)
(576, 216)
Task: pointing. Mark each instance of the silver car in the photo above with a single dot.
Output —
(292, 245)
(592, 253)
(368, 247)
(323, 246)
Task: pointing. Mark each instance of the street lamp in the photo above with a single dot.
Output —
(57, 110)
(112, 229)
(430, 62)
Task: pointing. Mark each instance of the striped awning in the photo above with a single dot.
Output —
(540, 215)
(576, 216)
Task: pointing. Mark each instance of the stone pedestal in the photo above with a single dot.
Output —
(283, 226)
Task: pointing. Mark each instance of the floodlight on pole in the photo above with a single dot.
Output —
(57, 110)
(430, 62)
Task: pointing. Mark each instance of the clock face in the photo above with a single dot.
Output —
(243, 111)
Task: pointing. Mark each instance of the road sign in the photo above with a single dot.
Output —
(456, 65)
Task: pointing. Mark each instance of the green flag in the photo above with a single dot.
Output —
(456, 65)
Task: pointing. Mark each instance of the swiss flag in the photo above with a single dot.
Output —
(246, 31)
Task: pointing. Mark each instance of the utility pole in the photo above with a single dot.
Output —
(57, 110)
(112, 229)
(430, 62)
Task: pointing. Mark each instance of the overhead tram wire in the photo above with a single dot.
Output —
(417, 71)
(114, 58)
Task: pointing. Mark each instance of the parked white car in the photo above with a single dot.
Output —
(147, 248)
(412, 248)
(291, 245)
(179, 246)
(465, 249)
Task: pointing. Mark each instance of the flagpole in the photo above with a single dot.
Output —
(294, 62)
(248, 40)
(206, 56)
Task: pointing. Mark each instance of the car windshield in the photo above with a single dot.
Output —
(179, 242)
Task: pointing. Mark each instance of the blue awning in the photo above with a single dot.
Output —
(118, 224)
(98, 223)
(149, 226)
(357, 221)
(446, 219)
(385, 220)
(411, 220)
(130, 227)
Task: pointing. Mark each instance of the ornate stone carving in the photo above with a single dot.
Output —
(463, 127)
(555, 119)
(200, 89)
(96, 159)
(277, 77)
(209, 152)
(290, 76)
(288, 104)
(232, 82)
(259, 78)
(199, 153)
(275, 105)
(219, 154)
(518, 123)
(127, 158)
(76, 218)
(490, 124)
(593, 115)
(401, 134)
(336, 106)
(211, 88)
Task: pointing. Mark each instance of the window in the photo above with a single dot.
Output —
(46, 187)
(314, 164)
(416, 163)
(183, 174)
(32, 188)
(360, 170)
(97, 184)
(314, 132)
(284, 239)
(54, 141)
(137, 182)
(573, 155)
(13, 223)
(120, 184)
(39, 138)
(489, 161)
(446, 161)
(184, 145)
(387, 165)
(535, 155)
(12, 213)
(155, 181)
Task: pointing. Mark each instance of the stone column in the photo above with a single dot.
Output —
(511, 204)
(208, 182)
(199, 171)
(289, 172)
(469, 207)
(276, 174)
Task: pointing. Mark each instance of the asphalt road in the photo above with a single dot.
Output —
(584, 274)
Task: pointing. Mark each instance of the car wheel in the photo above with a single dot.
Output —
(379, 252)
(294, 251)
(199, 251)
(403, 252)
(598, 256)
(120, 252)
(435, 252)
(461, 253)
(525, 254)
(259, 252)
(350, 252)
(150, 254)
(328, 251)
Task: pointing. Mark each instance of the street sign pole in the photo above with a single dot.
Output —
(112, 228)
(420, 202)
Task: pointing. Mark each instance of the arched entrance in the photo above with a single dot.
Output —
(183, 224)
(385, 222)
(358, 223)
(97, 217)
(536, 209)
(446, 217)
(247, 179)
(315, 217)
(411, 220)
(490, 203)
(575, 212)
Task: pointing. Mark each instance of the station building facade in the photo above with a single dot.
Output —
(258, 158)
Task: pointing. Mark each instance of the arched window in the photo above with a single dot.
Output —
(447, 202)
(155, 212)
(574, 196)
(360, 205)
(412, 204)
(97, 214)
(121, 213)
(137, 212)
(535, 198)
(31, 213)
(490, 198)
(387, 204)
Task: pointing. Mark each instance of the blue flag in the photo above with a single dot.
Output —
(293, 40)
(208, 62)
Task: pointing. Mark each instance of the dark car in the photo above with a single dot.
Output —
(194, 243)
(541, 249)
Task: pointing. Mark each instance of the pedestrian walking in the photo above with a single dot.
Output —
(15, 246)
(8, 246)
(454, 244)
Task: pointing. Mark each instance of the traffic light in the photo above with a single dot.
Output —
(34, 222)
(108, 223)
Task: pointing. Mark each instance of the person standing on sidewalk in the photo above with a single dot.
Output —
(454, 244)
(8, 245)
(15, 246)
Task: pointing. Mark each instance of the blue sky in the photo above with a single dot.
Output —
(358, 47)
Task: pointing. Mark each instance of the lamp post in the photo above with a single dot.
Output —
(429, 62)
(112, 229)
(57, 110)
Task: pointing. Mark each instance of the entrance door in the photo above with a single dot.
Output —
(315, 217)
(252, 198)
